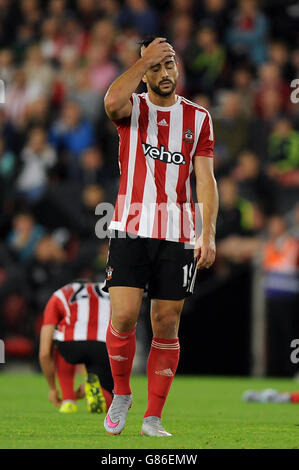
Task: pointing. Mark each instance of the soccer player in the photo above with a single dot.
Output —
(163, 137)
(75, 323)
(270, 396)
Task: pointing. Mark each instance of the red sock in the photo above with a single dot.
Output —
(161, 368)
(295, 397)
(121, 349)
(108, 397)
(66, 375)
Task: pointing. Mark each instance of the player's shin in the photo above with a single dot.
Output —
(66, 376)
(121, 349)
(161, 368)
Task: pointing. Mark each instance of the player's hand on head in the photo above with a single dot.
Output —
(205, 252)
(157, 51)
(54, 397)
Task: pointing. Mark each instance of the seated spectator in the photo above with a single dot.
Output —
(6, 65)
(103, 70)
(17, 99)
(127, 53)
(182, 6)
(38, 72)
(73, 36)
(215, 12)
(279, 55)
(38, 157)
(270, 80)
(103, 32)
(254, 184)
(24, 236)
(231, 131)
(87, 10)
(49, 268)
(261, 126)
(31, 11)
(243, 84)
(248, 32)
(38, 114)
(110, 9)
(236, 214)
(92, 168)
(57, 9)
(283, 153)
(181, 31)
(92, 195)
(204, 60)
(51, 38)
(71, 133)
(65, 80)
(90, 101)
(139, 15)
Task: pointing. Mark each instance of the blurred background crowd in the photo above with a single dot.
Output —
(58, 161)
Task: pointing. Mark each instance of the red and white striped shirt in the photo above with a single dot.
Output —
(156, 151)
(80, 312)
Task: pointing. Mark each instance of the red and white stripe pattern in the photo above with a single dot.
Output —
(158, 344)
(84, 314)
(155, 198)
(122, 335)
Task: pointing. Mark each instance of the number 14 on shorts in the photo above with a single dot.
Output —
(189, 274)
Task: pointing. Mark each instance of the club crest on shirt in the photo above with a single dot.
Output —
(189, 136)
(109, 271)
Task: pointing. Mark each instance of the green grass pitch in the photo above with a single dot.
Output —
(201, 412)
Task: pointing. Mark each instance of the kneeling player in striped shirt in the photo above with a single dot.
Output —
(75, 322)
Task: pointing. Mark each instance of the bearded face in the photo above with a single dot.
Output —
(162, 78)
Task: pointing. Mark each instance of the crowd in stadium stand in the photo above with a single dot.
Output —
(58, 150)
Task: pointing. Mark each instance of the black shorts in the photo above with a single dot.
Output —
(165, 269)
(93, 354)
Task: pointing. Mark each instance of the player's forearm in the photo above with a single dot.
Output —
(122, 88)
(207, 194)
(48, 367)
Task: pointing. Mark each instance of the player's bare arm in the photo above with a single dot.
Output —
(207, 194)
(47, 362)
(117, 99)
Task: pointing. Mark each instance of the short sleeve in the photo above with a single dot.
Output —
(206, 142)
(53, 312)
(124, 122)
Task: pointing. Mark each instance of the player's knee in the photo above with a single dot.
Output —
(123, 320)
(167, 319)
